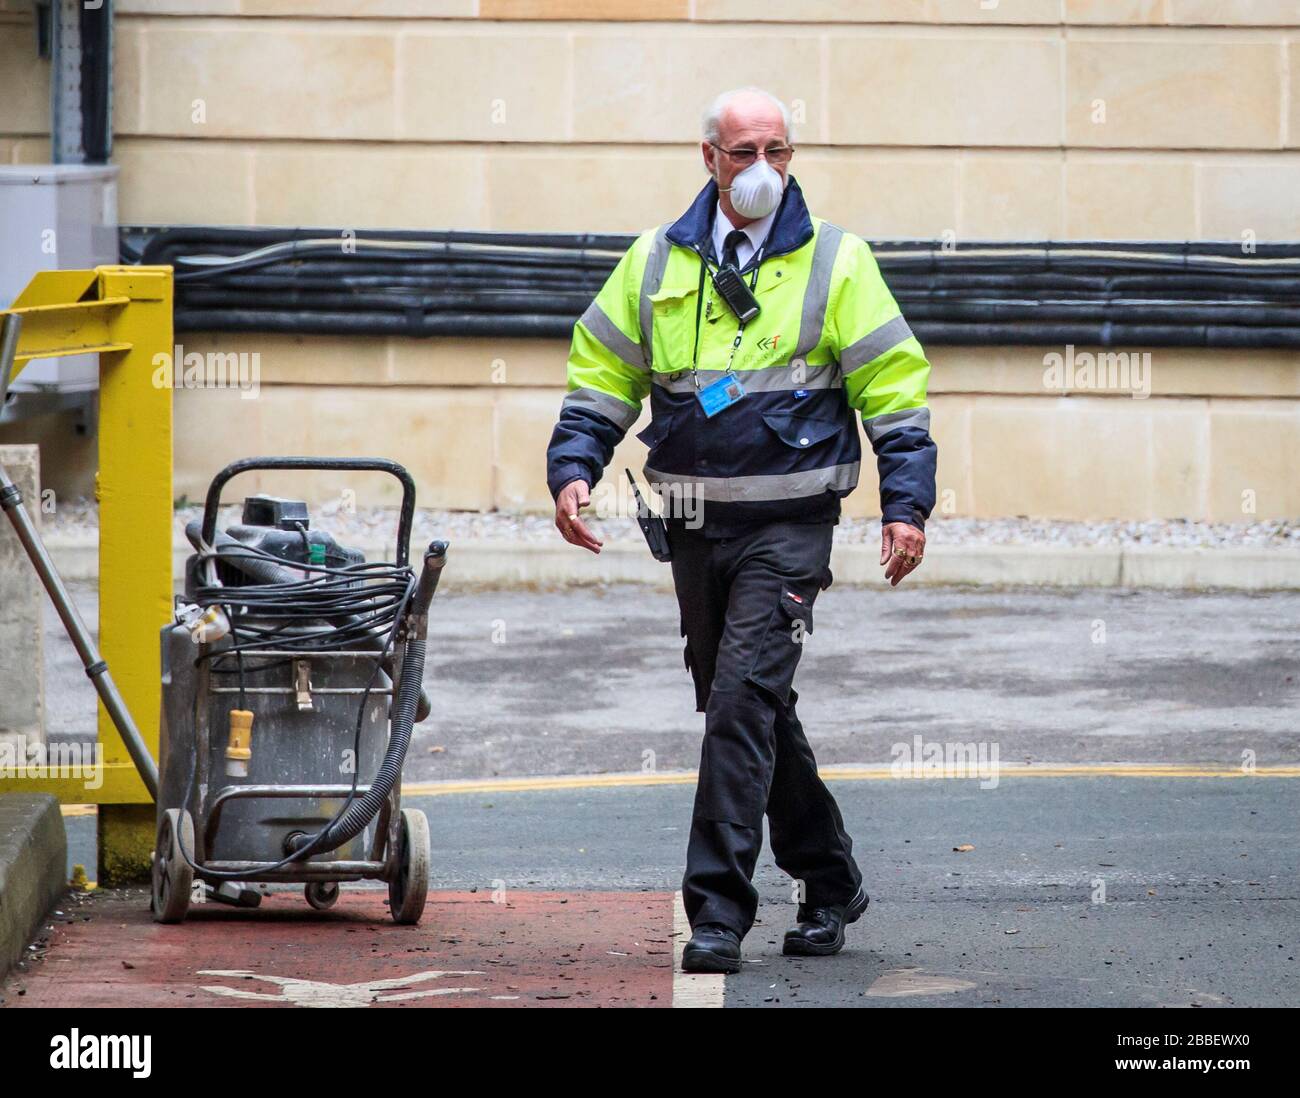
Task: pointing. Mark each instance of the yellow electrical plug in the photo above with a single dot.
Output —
(240, 748)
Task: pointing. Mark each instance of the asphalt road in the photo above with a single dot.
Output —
(1198, 876)
(1092, 889)
(590, 680)
(1081, 891)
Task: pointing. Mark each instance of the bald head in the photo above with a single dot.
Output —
(745, 111)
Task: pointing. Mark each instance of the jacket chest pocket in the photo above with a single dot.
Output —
(778, 296)
(672, 314)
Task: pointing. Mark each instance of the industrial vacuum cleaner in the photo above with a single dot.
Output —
(291, 683)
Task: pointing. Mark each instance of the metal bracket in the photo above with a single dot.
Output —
(302, 685)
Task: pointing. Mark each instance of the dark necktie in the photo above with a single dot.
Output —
(729, 247)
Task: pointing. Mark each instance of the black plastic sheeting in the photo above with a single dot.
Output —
(390, 282)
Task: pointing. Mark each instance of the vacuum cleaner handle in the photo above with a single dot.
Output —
(435, 558)
(379, 465)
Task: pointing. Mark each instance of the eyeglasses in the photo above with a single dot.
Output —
(747, 154)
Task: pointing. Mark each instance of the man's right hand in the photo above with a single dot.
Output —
(572, 498)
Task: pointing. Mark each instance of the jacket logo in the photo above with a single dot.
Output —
(768, 343)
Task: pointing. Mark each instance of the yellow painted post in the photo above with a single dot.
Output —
(125, 314)
(134, 486)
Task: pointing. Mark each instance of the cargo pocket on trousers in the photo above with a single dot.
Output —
(782, 645)
(701, 688)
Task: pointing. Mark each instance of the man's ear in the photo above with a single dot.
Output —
(710, 158)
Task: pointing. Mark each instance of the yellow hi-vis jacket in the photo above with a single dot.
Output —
(829, 340)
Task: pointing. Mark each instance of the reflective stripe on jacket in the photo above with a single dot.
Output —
(829, 340)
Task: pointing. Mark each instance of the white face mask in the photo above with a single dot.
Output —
(756, 191)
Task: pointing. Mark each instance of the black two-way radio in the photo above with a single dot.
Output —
(731, 288)
(652, 526)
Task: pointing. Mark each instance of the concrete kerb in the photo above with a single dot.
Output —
(33, 869)
(505, 564)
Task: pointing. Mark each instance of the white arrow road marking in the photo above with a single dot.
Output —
(319, 993)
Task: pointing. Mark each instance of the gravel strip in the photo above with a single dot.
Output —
(80, 518)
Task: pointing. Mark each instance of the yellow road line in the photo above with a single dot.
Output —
(832, 774)
(855, 773)
(528, 785)
(1082, 770)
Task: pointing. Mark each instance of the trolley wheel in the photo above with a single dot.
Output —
(173, 877)
(322, 895)
(409, 887)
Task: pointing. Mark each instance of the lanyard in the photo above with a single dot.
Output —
(699, 308)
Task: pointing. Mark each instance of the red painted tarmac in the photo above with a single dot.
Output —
(531, 949)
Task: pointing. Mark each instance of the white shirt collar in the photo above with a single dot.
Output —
(756, 231)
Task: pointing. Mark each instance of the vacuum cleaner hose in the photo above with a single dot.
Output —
(354, 818)
(361, 811)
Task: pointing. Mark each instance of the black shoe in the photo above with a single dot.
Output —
(821, 929)
(712, 948)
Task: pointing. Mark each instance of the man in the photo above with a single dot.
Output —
(754, 421)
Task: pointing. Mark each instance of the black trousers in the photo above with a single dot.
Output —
(746, 606)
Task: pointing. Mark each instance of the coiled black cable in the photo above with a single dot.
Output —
(329, 608)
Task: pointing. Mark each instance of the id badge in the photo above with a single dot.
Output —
(721, 394)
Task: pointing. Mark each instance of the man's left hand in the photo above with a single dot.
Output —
(901, 548)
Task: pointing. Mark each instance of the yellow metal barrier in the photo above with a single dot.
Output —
(125, 315)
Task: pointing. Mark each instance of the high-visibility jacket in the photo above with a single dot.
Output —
(829, 340)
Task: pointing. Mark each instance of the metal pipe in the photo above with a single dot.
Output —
(380, 690)
(240, 792)
(96, 669)
(249, 872)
